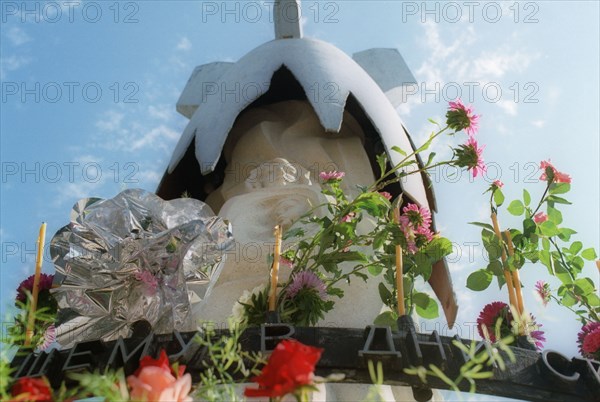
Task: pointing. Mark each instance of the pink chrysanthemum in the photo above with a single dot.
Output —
(415, 223)
(537, 338)
(543, 290)
(540, 217)
(557, 177)
(27, 286)
(470, 155)
(49, 338)
(387, 195)
(333, 175)
(417, 216)
(306, 280)
(589, 348)
(461, 117)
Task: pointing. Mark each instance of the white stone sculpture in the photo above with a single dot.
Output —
(255, 158)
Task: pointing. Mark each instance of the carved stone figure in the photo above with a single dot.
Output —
(260, 132)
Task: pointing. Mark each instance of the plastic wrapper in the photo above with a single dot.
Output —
(135, 258)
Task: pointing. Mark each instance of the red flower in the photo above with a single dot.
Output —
(290, 366)
(589, 340)
(31, 389)
(162, 362)
(488, 317)
(27, 286)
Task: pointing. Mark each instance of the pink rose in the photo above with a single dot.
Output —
(154, 384)
(540, 217)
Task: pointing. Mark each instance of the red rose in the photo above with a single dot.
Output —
(31, 389)
(290, 366)
(162, 362)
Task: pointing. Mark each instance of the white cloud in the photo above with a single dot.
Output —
(111, 121)
(162, 112)
(12, 63)
(492, 65)
(538, 123)
(508, 106)
(184, 44)
(17, 36)
(153, 136)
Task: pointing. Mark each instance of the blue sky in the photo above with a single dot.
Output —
(89, 92)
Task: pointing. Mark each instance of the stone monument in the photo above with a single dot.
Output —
(262, 129)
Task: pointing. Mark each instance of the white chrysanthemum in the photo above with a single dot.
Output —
(238, 310)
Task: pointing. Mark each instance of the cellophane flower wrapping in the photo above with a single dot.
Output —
(133, 258)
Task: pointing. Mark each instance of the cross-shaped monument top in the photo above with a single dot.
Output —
(287, 16)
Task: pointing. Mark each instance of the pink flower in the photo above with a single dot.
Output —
(306, 280)
(387, 195)
(49, 337)
(543, 290)
(349, 217)
(537, 338)
(589, 348)
(285, 261)
(556, 176)
(470, 156)
(540, 217)
(415, 223)
(147, 279)
(461, 117)
(498, 183)
(154, 384)
(333, 175)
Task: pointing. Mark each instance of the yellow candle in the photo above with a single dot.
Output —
(275, 269)
(36, 284)
(399, 270)
(507, 276)
(515, 274)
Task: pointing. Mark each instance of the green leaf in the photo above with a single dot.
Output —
(373, 203)
(589, 254)
(295, 232)
(387, 318)
(554, 215)
(483, 225)
(399, 150)
(438, 248)
(382, 162)
(565, 233)
(576, 247)
(479, 280)
(430, 159)
(583, 286)
(548, 228)
(516, 208)
(433, 121)
(496, 268)
(526, 197)
(529, 227)
(375, 269)
(558, 200)
(385, 294)
(498, 197)
(426, 306)
(559, 188)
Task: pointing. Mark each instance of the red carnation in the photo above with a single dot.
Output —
(31, 389)
(290, 366)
